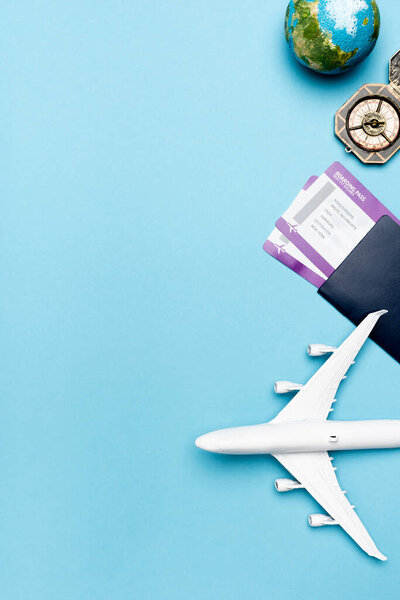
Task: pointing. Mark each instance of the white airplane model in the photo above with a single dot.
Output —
(300, 437)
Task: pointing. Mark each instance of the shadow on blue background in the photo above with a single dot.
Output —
(148, 148)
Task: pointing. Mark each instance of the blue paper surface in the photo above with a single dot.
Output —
(147, 151)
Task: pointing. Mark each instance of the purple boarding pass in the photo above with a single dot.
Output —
(336, 212)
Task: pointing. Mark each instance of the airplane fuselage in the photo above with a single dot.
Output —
(303, 436)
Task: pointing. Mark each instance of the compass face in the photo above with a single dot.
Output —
(373, 123)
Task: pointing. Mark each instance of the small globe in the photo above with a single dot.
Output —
(331, 36)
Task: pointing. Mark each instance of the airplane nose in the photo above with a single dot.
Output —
(207, 442)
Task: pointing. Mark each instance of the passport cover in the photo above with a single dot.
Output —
(369, 280)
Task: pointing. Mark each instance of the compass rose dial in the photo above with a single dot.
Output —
(373, 123)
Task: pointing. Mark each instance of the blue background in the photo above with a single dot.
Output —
(147, 149)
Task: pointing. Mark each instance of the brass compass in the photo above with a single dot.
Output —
(369, 122)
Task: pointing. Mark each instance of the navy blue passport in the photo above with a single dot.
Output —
(369, 280)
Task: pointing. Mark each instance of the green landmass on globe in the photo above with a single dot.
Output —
(331, 36)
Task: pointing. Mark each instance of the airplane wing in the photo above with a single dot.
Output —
(315, 472)
(314, 400)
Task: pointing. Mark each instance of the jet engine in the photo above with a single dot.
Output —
(320, 520)
(287, 485)
(319, 349)
(284, 387)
